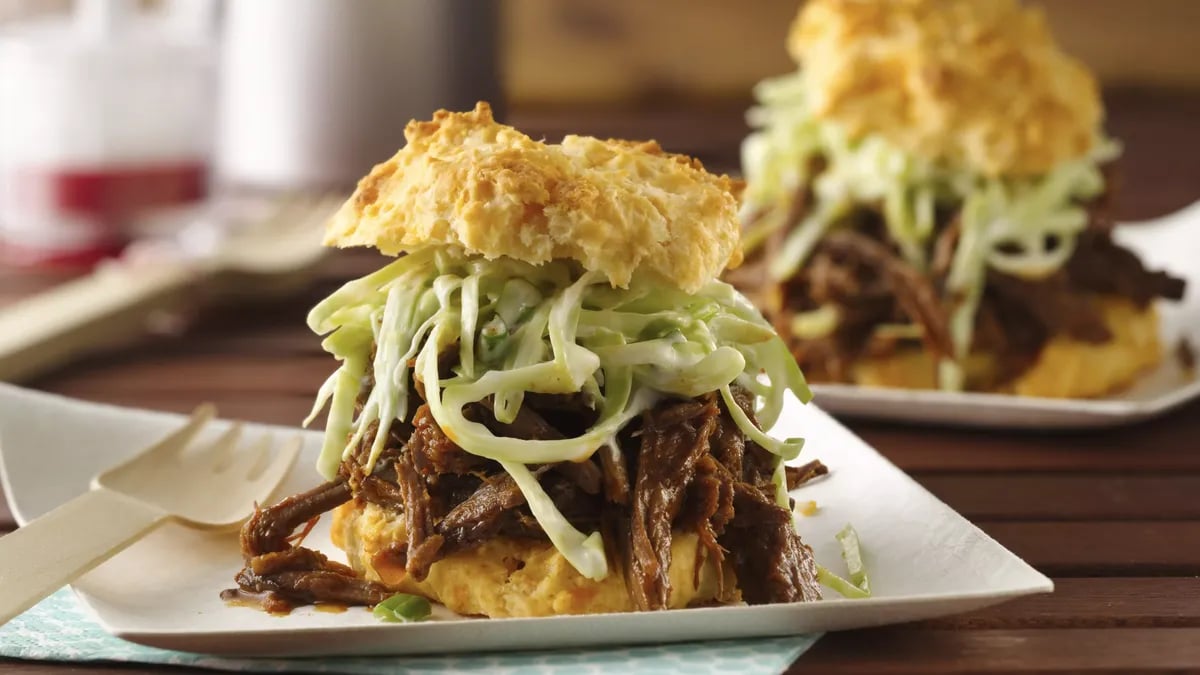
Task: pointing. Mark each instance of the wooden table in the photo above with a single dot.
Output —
(1113, 516)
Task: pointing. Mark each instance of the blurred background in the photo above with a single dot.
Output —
(117, 118)
(156, 131)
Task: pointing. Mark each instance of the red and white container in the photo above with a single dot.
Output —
(105, 127)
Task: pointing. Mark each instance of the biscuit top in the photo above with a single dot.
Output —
(617, 207)
(978, 84)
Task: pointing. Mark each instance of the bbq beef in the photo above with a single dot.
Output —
(860, 271)
(913, 291)
(772, 564)
(288, 574)
(424, 543)
(674, 438)
(479, 516)
(799, 475)
(683, 466)
(1100, 265)
(269, 529)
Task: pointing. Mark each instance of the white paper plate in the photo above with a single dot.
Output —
(925, 559)
(1170, 243)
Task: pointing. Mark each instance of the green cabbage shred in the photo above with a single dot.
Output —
(858, 586)
(552, 329)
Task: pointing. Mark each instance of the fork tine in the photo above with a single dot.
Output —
(273, 474)
(252, 458)
(180, 439)
(221, 453)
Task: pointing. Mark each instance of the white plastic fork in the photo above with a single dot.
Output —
(113, 305)
(213, 487)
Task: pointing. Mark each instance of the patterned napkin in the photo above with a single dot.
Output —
(61, 629)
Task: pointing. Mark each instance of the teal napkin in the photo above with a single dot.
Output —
(60, 629)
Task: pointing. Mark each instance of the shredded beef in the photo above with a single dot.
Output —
(673, 440)
(615, 474)
(710, 500)
(1052, 304)
(799, 475)
(757, 464)
(772, 564)
(858, 270)
(378, 490)
(729, 444)
(676, 469)
(944, 246)
(1101, 266)
(304, 576)
(913, 290)
(869, 284)
(480, 515)
(573, 414)
(530, 425)
(292, 574)
(432, 452)
(423, 541)
(268, 529)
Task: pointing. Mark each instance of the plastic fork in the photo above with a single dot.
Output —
(213, 486)
(113, 305)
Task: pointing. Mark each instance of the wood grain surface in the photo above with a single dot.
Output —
(631, 50)
(1111, 515)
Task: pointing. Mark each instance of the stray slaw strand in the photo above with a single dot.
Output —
(858, 586)
(844, 588)
(852, 554)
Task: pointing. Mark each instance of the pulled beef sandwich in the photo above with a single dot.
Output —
(926, 206)
(547, 404)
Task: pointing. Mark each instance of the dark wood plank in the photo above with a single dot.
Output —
(286, 411)
(1164, 444)
(1084, 496)
(1133, 548)
(1159, 172)
(157, 373)
(923, 650)
(1093, 603)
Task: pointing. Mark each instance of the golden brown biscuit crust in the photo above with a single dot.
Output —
(506, 577)
(617, 207)
(974, 83)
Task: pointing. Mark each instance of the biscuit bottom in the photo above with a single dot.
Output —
(509, 577)
(1065, 368)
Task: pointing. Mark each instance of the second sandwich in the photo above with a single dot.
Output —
(927, 206)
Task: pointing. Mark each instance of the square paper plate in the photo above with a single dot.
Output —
(1171, 243)
(925, 559)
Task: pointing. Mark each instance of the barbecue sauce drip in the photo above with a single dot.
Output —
(269, 602)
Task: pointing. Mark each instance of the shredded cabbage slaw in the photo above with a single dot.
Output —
(1020, 226)
(551, 329)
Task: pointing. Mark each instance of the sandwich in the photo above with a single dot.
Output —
(927, 206)
(546, 403)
